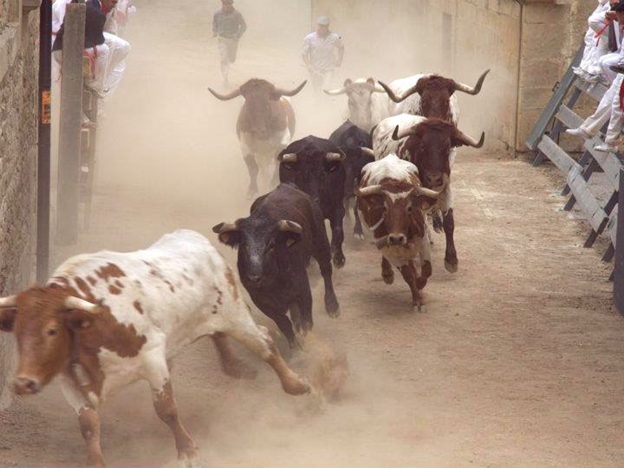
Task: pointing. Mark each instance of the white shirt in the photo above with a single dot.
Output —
(321, 50)
(58, 14)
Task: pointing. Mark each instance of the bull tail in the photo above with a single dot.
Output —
(290, 117)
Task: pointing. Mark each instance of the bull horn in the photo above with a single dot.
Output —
(225, 97)
(469, 141)
(368, 191)
(425, 192)
(289, 226)
(336, 92)
(469, 90)
(393, 96)
(75, 303)
(338, 157)
(400, 134)
(225, 227)
(367, 151)
(288, 157)
(297, 90)
(8, 302)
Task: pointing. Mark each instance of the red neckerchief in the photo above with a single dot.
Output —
(606, 26)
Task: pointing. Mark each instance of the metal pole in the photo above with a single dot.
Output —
(70, 125)
(618, 275)
(43, 160)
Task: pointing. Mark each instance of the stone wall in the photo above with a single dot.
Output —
(19, 51)
(527, 47)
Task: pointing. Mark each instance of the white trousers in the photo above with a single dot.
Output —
(96, 80)
(119, 50)
(606, 62)
(609, 109)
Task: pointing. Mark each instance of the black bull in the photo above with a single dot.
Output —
(316, 166)
(353, 142)
(275, 245)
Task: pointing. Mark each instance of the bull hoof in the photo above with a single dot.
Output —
(451, 267)
(332, 307)
(388, 277)
(437, 224)
(251, 193)
(422, 308)
(339, 260)
(358, 235)
(296, 385)
(240, 370)
(190, 460)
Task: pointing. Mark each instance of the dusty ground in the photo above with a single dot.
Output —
(518, 361)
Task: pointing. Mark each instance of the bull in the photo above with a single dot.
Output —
(108, 319)
(367, 101)
(275, 244)
(357, 145)
(391, 199)
(265, 126)
(428, 144)
(316, 167)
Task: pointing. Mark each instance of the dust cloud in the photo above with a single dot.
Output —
(168, 157)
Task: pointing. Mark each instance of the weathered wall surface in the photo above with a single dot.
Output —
(19, 50)
(527, 48)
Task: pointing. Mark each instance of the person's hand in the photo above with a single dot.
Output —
(612, 15)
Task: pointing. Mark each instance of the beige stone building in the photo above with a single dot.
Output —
(19, 59)
(528, 45)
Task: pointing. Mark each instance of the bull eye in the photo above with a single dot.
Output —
(410, 208)
(287, 166)
(52, 332)
(332, 167)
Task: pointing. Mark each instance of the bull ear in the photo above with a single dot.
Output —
(78, 320)
(424, 203)
(7, 319)
(228, 234)
(348, 82)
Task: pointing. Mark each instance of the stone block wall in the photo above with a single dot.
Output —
(19, 59)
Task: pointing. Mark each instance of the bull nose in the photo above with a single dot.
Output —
(254, 278)
(26, 386)
(397, 239)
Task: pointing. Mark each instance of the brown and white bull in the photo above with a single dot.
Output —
(108, 319)
(266, 125)
(429, 144)
(391, 200)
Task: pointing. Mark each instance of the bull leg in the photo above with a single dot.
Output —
(338, 238)
(89, 421)
(295, 317)
(167, 410)
(253, 169)
(285, 325)
(387, 273)
(450, 257)
(305, 305)
(243, 329)
(411, 278)
(230, 364)
(347, 206)
(322, 254)
(437, 221)
(357, 229)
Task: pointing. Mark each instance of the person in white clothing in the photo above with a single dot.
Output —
(610, 106)
(322, 53)
(596, 43)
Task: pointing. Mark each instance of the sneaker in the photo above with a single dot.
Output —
(578, 132)
(606, 147)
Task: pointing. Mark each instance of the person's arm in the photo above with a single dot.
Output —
(305, 52)
(341, 50)
(242, 25)
(215, 25)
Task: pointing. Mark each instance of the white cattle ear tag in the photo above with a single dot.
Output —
(290, 242)
(224, 238)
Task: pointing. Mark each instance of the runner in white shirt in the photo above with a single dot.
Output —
(319, 54)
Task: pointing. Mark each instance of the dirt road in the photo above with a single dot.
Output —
(518, 361)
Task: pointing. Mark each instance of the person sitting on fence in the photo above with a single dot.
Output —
(616, 45)
(596, 43)
(94, 45)
(610, 108)
(119, 48)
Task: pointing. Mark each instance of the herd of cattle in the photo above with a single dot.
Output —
(106, 320)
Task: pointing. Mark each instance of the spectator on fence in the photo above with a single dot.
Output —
(616, 46)
(119, 48)
(94, 46)
(610, 109)
(596, 43)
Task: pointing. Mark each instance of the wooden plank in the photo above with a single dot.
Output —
(555, 101)
(587, 201)
(612, 226)
(568, 117)
(608, 161)
(558, 156)
(595, 90)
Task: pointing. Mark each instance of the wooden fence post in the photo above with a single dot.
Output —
(618, 275)
(70, 125)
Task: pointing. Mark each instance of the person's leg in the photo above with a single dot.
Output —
(225, 59)
(592, 124)
(617, 116)
(101, 55)
(606, 62)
